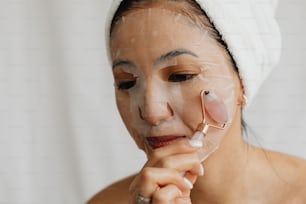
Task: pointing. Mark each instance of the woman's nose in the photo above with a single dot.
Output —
(154, 112)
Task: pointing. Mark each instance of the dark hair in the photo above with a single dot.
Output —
(189, 8)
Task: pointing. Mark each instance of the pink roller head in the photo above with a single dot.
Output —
(215, 107)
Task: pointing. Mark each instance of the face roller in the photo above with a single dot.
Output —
(218, 117)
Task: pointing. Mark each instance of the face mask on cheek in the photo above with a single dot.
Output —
(218, 106)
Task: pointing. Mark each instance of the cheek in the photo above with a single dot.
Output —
(222, 85)
(123, 102)
(225, 90)
(123, 105)
(128, 114)
(191, 112)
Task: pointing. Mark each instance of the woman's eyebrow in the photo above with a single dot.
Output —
(173, 54)
(165, 57)
(125, 63)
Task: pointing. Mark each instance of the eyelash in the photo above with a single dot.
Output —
(181, 77)
(178, 77)
(126, 85)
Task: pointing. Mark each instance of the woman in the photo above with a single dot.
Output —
(182, 70)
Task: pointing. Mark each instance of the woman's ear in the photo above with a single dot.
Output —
(242, 100)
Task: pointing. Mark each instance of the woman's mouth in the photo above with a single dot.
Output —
(161, 141)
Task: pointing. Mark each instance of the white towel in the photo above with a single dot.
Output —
(250, 31)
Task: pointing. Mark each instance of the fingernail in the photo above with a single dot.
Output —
(196, 140)
(201, 170)
(188, 183)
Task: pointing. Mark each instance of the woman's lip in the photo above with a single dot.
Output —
(161, 141)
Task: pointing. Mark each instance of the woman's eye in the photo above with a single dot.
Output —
(180, 77)
(126, 85)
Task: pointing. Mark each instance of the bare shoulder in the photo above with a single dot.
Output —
(293, 167)
(292, 171)
(116, 193)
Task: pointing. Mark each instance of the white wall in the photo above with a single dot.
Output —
(278, 114)
(61, 139)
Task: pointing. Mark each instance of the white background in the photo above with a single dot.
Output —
(61, 139)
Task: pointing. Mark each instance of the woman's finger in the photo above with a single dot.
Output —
(150, 179)
(166, 195)
(182, 163)
(180, 147)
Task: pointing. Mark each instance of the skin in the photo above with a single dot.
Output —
(237, 172)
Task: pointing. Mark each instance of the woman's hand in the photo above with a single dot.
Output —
(169, 175)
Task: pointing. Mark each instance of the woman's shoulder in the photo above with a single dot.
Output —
(290, 165)
(116, 193)
(292, 171)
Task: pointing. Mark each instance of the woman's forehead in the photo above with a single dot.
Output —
(156, 28)
(178, 10)
(152, 20)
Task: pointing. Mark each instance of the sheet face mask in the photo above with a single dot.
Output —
(161, 63)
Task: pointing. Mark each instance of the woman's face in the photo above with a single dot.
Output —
(161, 62)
